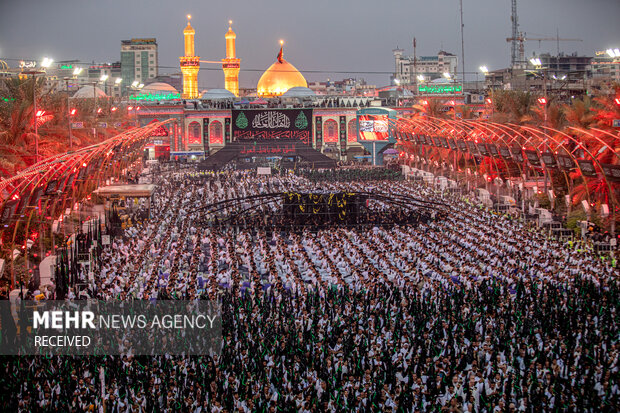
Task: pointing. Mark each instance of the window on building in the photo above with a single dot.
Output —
(215, 132)
(352, 131)
(330, 131)
(193, 134)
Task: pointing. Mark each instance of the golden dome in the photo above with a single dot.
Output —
(280, 77)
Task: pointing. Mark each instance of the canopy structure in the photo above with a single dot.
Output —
(40, 195)
(130, 191)
(507, 152)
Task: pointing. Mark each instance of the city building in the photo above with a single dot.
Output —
(606, 66)
(563, 76)
(231, 64)
(349, 87)
(175, 80)
(108, 76)
(190, 64)
(139, 61)
(413, 70)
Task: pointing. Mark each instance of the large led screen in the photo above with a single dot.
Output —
(374, 128)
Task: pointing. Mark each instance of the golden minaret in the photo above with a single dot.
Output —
(231, 65)
(190, 64)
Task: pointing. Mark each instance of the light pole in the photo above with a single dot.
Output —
(76, 72)
(485, 71)
(104, 79)
(69, 115)
(117, 82)
(543, 101)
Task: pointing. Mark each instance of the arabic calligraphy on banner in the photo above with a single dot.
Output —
(267, 149)
(271, 120)
(272, 124)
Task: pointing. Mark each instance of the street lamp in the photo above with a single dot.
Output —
(485, 71)
(447, 75)
(536, 61)
(77, 71)
(69, 113)
(47, 62)
(613, 52)
(117, 83)
(104, 79)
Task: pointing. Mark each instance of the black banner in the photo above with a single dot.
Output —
(472, 147)
(505, 152)
(452, 144)
(319, 132)
(587, 167)
(517, 155)
(272, 124)
(549, 159)
(266, 149)
(611, 172)
(482, 148)
(462, 145)
(205, 135)
(51, 187)
(566, 162)
(493, 150)
(227, 130)
(343, 133)
(444, 142)
(8, 210)
(532, 157)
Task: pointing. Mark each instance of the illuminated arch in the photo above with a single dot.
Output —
(352, 131)
(330, 131)
(216, 135)
(194, 134)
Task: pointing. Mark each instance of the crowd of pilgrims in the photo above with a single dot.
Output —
(473, 312)
(352, 174)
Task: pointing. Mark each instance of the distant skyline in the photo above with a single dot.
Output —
(323, 38)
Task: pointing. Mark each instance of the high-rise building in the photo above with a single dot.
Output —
(190, 64)
(409, 68)
(231, 65)
(139, 61)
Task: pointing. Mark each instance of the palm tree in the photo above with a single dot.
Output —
(580, 112)
(16, 123)
(512, 106)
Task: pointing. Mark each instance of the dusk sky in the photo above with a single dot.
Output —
(322, 37)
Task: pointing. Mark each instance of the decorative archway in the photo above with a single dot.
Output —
(330, 131)
(194, 134)
(352, 131)
(215, 133)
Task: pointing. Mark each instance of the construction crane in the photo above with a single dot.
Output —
(515, 34)
(517, 39)
(521, 40)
